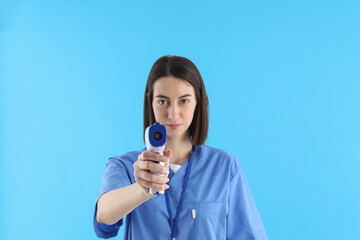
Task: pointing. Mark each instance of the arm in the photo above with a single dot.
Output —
(243, 220)
(115, 204)
(118, 195)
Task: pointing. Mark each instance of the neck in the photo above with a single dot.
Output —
(180, 147)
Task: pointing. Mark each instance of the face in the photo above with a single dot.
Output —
(174, 104)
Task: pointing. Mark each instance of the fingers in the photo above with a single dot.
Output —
(145, 164)
(148, 155)
(151, 177)
(155, 167)
(155, 186)
(146, 161)
(168, 153)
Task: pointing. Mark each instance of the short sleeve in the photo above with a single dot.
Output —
(115, 176)
(243, 219)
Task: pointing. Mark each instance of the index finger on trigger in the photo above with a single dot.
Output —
(149, 155)
(162, 158)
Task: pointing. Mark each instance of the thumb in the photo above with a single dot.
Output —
(168, 153)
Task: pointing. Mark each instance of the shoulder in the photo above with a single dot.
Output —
(127, 158)
(226, 158)
(220, 153)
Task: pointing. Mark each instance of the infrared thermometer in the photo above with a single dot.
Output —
(155, 139)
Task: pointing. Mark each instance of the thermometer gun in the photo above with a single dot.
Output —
(155, 139)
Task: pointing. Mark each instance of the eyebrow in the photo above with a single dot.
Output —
(162, 96)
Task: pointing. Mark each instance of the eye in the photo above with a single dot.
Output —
(161, 102)
(185, 101)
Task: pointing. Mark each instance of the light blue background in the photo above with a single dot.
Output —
(283, 79)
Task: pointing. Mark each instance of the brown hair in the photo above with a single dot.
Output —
(182, 68)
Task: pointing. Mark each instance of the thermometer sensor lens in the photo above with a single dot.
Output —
(157, 136)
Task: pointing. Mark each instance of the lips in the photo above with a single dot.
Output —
(173, 126)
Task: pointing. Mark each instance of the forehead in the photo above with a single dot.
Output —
(171, 86)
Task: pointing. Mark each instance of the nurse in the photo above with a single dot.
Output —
(206, 193)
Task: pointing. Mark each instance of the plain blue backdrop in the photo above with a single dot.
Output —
(283, 79)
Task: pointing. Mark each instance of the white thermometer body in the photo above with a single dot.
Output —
(155, 139)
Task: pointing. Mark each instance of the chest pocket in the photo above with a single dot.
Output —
(210, 220)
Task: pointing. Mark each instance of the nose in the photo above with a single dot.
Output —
(173, 112)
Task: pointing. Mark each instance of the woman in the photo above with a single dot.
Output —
(207, 195)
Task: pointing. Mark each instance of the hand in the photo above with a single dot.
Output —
(145, 178)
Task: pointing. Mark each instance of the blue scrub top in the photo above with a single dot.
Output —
(217, 190)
